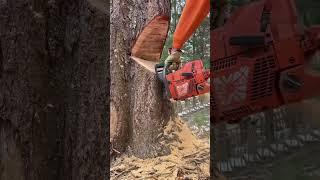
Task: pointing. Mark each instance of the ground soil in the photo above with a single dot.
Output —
(113, 124)
(189, 158)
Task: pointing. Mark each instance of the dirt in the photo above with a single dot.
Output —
(310, 109)
(189, 158)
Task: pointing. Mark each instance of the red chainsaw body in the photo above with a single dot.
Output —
(258, 67)
(190, 80)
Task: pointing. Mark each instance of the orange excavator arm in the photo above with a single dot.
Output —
(192, 15)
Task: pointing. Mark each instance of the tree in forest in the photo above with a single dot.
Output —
(54, 86)
(137, 102)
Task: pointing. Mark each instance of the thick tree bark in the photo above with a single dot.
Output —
(53, 90)
(136, 95)
(150, 113)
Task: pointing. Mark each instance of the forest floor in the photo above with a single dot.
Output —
(296, 164)
(189, 158)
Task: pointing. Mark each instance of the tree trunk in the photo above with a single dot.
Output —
(53, 90)
(150, 113)
(136, 95)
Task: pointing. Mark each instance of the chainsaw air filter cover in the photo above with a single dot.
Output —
(190, 80)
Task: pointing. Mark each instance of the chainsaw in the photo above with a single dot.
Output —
(192, 78)
(260, 60)
(188, 81)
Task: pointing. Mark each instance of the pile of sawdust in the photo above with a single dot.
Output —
(189, 158)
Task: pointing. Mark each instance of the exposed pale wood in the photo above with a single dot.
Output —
(150, 42)
(149, 65)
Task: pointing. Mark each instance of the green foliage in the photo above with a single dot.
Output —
(167, 45)
(308, 11)
(200, 119)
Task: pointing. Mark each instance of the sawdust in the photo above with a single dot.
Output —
(148, 65)
(113, 122)
(189, 158)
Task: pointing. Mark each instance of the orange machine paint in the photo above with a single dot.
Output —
(193, 14)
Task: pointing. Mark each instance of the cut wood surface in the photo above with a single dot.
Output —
(148, 65)
(150, 42)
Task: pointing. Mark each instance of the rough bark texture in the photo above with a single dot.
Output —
(150, 113)
(136, 94)
(53, 90)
